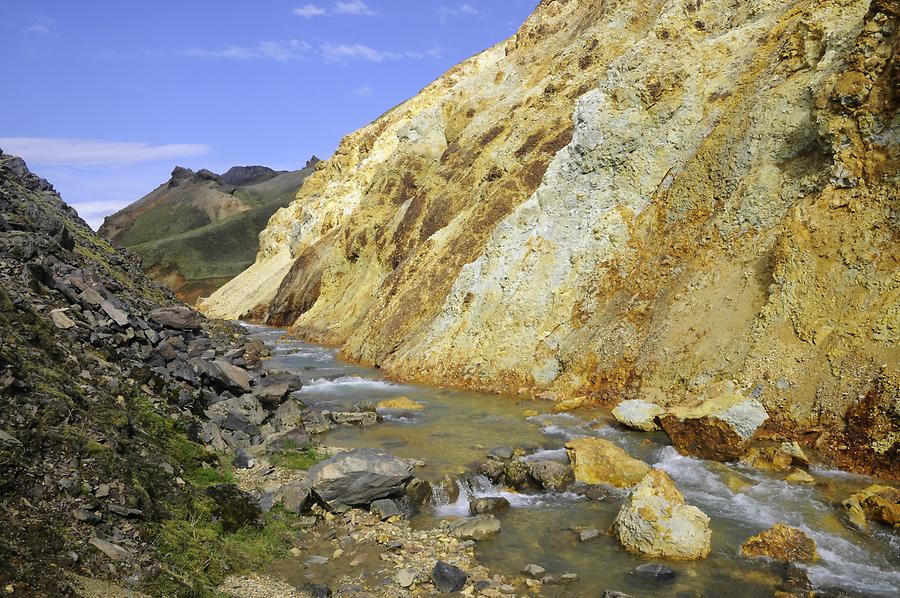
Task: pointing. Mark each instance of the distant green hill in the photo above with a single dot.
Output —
(199, 230)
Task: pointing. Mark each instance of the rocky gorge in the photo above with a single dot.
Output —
(625, 200)
(147, 450)
(609, 309)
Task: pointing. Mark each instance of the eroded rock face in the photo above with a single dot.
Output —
(655, 522)
(719, 428)
(621, 197)
(782, 543)
(598, 461)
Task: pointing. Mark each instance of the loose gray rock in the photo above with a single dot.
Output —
(113, 551)
(406, 578)
(553, 476)
(353, 418)
(638, 415)
(6, 438)
(655, 572)
(501, 452)
(178, 318)
(384, 508)
(242, 460)
(534, 571)
(448, 578)
(588, 534)
(117, 315)
(61, 320)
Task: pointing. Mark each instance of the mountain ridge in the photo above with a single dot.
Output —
(198, 229)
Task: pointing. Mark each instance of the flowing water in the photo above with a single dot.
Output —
(456, 429)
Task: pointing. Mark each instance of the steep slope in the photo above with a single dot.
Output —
(106, 385)
(626, 199)
(198, 230)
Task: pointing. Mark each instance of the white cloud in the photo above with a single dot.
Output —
(50, 151)
(445, 13)
(280, 51)
(38, 29)
(363, 91)
(344, 52)
(350, 52)
(347, 7)
(310, 10)
(353, 7)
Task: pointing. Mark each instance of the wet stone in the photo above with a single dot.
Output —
(535, 571)
(489, 504)
(501, 452)
(588, 534)
(654, 572)
(448, 578)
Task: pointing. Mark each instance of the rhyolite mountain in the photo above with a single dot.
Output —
(632, 199)
(199, 229)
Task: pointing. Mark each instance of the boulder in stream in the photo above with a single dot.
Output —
(719, 428)
(552, 476)
(874, 503)
(359, 477)
(638, 415)
(781, 543)
(488, 504)
(478, 527)
(598, 461)
(655, 522)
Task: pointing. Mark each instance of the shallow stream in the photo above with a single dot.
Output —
(456, 430)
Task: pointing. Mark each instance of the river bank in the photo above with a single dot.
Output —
(451, 436)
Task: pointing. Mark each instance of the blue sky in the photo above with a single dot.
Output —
(104, 98)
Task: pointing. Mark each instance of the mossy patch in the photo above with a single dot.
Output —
(201, 554)
(291, 458)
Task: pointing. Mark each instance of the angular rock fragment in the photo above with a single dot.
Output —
(718, 429)
(638, 415)
(552, 476)
(782, 543)
(177, 318)
(113, 551)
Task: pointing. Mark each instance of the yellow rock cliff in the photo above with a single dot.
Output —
(627, 199)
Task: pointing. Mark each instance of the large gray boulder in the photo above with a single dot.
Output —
(359, 477)
(177, 317)
(243, 414)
